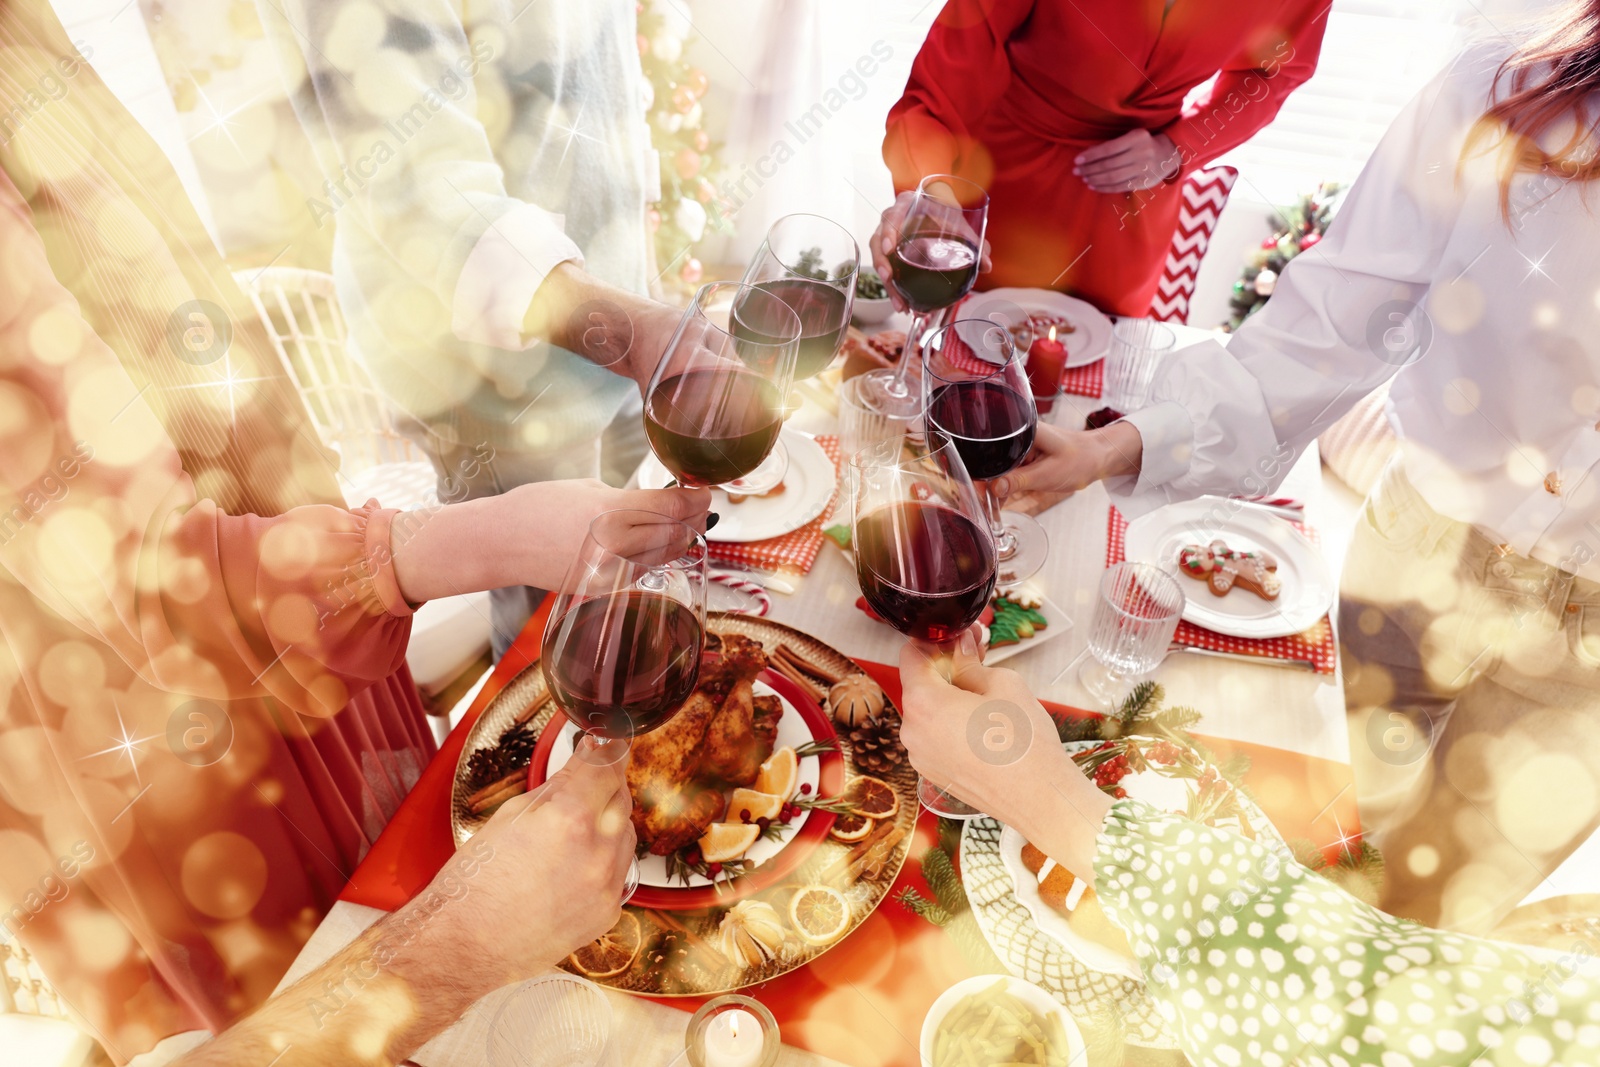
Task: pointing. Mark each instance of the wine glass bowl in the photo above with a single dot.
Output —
(810, 263)
(977, 397)
(716, 401)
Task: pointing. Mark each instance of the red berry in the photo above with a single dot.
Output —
(763, 822)
(693, 857)
(744, 814)
(805, 790)
(714, 869)
(1120, 793)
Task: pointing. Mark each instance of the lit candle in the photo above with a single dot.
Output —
(734, 1039)
(1047, 361)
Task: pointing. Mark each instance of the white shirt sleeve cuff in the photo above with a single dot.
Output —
(1166, 434)
(503, 271)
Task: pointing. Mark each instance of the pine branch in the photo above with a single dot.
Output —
(922, 907)
(940, 874)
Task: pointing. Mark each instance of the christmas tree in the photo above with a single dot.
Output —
(1298, 229)
(674, 91)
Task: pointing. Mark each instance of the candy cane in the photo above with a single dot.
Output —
(750, 589)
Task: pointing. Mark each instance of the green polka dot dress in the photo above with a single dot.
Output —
(1252, 959)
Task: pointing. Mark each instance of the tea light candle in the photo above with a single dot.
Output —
(1047, 362)
(732, 1031)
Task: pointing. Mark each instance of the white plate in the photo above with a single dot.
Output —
(807, 488)
(1060, 623)
(1160, 789)
(1087, 344)
(1308, 588)
(1031, 995)
(792, 733)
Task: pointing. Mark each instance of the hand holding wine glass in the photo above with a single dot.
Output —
(716, 402)
(621, 650)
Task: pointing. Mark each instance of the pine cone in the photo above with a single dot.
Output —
(875, 746)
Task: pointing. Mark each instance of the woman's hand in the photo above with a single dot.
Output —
(887, 236)
(1136, 160)
(544, 877)
(1064, 461)
(561, 512)
(980, 733)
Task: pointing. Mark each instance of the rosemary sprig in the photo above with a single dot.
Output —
(817, 748)
(839, 805)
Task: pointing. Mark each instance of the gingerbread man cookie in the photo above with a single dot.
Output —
(1222, 568)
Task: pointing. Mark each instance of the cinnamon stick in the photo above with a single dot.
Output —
(783, 667)
(666, 919)
(849, 860)
(805, 666)
(533, 709)
(496, 787)
(873, 862)
(494, 800)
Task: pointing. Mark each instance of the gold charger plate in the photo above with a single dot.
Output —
(677, 955)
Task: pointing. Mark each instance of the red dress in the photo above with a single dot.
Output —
(1008, 92)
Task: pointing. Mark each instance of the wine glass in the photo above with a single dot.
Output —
(715, 403)
(978, 397)
(1135, 619)
(934, 265)
(621, 650)
(810, 264)
(924, 555)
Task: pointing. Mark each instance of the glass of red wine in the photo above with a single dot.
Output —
(978, 398)
(716, 402)
(924, 555)
(810, 264)
(932, 267)
(621, 650)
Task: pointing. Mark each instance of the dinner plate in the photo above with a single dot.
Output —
(678, 925)
(1090, 338)
(1308, 588)
(803, 722)
(808, 487)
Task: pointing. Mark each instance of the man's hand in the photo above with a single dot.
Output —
(887, 236)
(556, 516)
(1136, 160)
(1064, 461)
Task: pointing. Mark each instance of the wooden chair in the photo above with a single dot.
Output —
(1205, 194)
(36, 1026)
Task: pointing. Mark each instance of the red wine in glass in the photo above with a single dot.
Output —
(926, 569)
(713, 424)
(824, 313)
(625, 662)
(933, 271)
(991, 424)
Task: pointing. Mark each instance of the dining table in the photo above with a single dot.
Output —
(862, 1002)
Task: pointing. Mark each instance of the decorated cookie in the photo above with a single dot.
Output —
(1222, 568)
(1014, 620)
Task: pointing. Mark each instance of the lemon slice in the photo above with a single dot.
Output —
(780, 774)
(724, 841)
(611, 953)
(747, 805)
(819, 914)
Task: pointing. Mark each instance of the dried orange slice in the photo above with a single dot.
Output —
(819, 914)
(724, 841)
(612, 952)
(851, 827)
(780, 774)
(759, 806)
(873, 797)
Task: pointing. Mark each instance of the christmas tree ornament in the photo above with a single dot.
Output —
(683, 99)
(686, 163)
(692, 271)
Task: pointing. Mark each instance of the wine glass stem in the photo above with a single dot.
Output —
(1005, 542)
(896, 386)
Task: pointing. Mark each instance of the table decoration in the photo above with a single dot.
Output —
(720, 933)
(732, 1031)
(1047, 361)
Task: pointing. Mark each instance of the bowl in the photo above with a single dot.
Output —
(1037, 999)
(871, 312)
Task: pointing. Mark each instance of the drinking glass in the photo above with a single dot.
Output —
(977, 396)
(924, 555)
(555, 1020)
(1137, 348)
(810, 264)
(861, 424)
(715, 403)
(934, 265)
(1134, 621)
(621, 649)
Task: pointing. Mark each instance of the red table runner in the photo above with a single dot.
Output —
(862, 1003)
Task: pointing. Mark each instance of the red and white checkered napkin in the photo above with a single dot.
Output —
(794, 551)
(1085, 381)
(1316, 645)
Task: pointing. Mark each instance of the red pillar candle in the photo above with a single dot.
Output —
(1047, 361)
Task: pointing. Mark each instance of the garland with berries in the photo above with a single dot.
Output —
(1297, 229)
(690, 165)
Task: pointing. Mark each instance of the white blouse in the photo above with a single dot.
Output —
(1490, 329)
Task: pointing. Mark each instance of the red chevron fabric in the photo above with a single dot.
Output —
(1205, 193)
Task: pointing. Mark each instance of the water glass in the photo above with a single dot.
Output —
(1135, 619)
(861, 425)
(1138, 347)
(555, 1020)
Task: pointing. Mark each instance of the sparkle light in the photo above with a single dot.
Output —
(229, 383)
(126, 744)
(1536, 266)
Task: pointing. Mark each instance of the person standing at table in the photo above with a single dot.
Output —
(1072, 116)
(1461, 266)
(486, 175)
